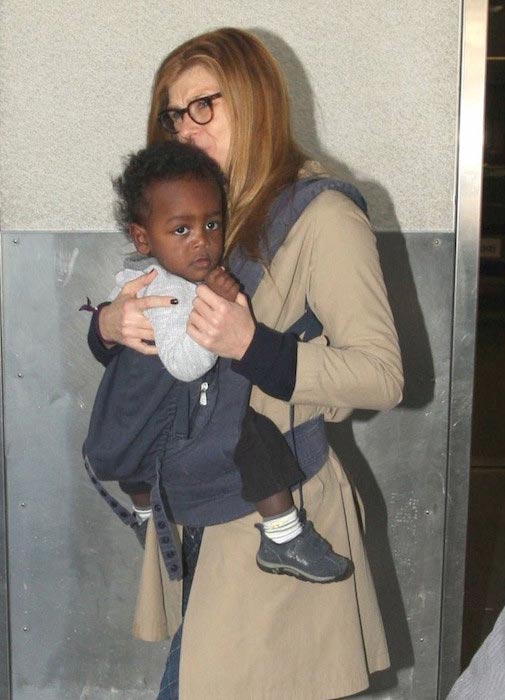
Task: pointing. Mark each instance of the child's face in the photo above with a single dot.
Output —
(184, 230)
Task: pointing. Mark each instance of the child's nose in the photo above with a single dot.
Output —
(199, 238)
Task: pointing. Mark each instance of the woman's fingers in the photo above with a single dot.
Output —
(143, 348)
(206, 294)
(208, 312)
(242, 300)
(155, 302)
(223, 327)
(123, 321)
(132, 288)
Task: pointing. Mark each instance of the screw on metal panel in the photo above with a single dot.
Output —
(22, 504)
(15, 240)
(20, 375)
(25, 628)
(427, 511)
(436, 241)
(421, 639)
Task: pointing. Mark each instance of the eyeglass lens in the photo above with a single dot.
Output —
(199, 110)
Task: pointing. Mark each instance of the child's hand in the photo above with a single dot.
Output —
(222, 283)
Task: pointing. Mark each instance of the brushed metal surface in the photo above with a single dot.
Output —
(73, 569)
(468, 213)
(4, 589)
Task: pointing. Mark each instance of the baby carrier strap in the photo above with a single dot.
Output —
(284, 212)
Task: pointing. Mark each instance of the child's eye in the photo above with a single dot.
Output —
(213, 225)
(181, 230)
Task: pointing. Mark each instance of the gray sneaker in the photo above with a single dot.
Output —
(308, 556)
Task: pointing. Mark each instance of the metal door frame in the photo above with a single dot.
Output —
(468, 214)
(5, 670)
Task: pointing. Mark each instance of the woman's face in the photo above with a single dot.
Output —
(214, 137)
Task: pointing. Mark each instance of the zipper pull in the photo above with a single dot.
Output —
(203, 393)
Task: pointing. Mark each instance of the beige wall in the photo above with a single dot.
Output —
(374, 85)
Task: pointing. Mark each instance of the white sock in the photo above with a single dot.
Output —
(284, 527)
(142, 514)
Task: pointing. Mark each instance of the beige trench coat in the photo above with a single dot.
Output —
(254, 636)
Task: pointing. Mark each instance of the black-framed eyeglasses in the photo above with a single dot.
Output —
(200, 110)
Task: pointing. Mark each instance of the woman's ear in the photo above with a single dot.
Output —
(138, 235)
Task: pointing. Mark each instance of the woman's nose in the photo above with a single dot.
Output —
(187, 128)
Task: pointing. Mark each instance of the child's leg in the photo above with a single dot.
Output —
(289, 544)
(269, 470)
(140, 494)
(281, 519)
(274, 505)
(267, 465)
(141, 500)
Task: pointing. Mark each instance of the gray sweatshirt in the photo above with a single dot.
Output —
(181, 355)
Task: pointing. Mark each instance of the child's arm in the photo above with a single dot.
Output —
(180, 354)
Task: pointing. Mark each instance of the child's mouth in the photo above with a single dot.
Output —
(201, 263)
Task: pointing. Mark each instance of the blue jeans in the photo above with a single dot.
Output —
(191, 540)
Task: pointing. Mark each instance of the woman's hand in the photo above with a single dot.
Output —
(226, 328)
(123, 320)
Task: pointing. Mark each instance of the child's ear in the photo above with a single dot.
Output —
(139, 237)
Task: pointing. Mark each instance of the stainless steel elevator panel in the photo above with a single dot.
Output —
(73, 568)
(399, 464)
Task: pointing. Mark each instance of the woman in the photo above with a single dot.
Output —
(247, 634)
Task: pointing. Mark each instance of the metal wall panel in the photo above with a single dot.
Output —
(4, 593)
(73, 566)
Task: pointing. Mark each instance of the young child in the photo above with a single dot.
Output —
(172, 205)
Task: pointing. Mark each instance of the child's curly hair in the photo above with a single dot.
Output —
(161, 162)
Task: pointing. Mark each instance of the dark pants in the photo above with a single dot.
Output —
(191, 541)
(134, 487)
(264, 459)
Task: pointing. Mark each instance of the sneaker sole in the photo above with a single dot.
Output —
(300, 575)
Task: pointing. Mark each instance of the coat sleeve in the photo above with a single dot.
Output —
(100, 352)
(359, 366)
